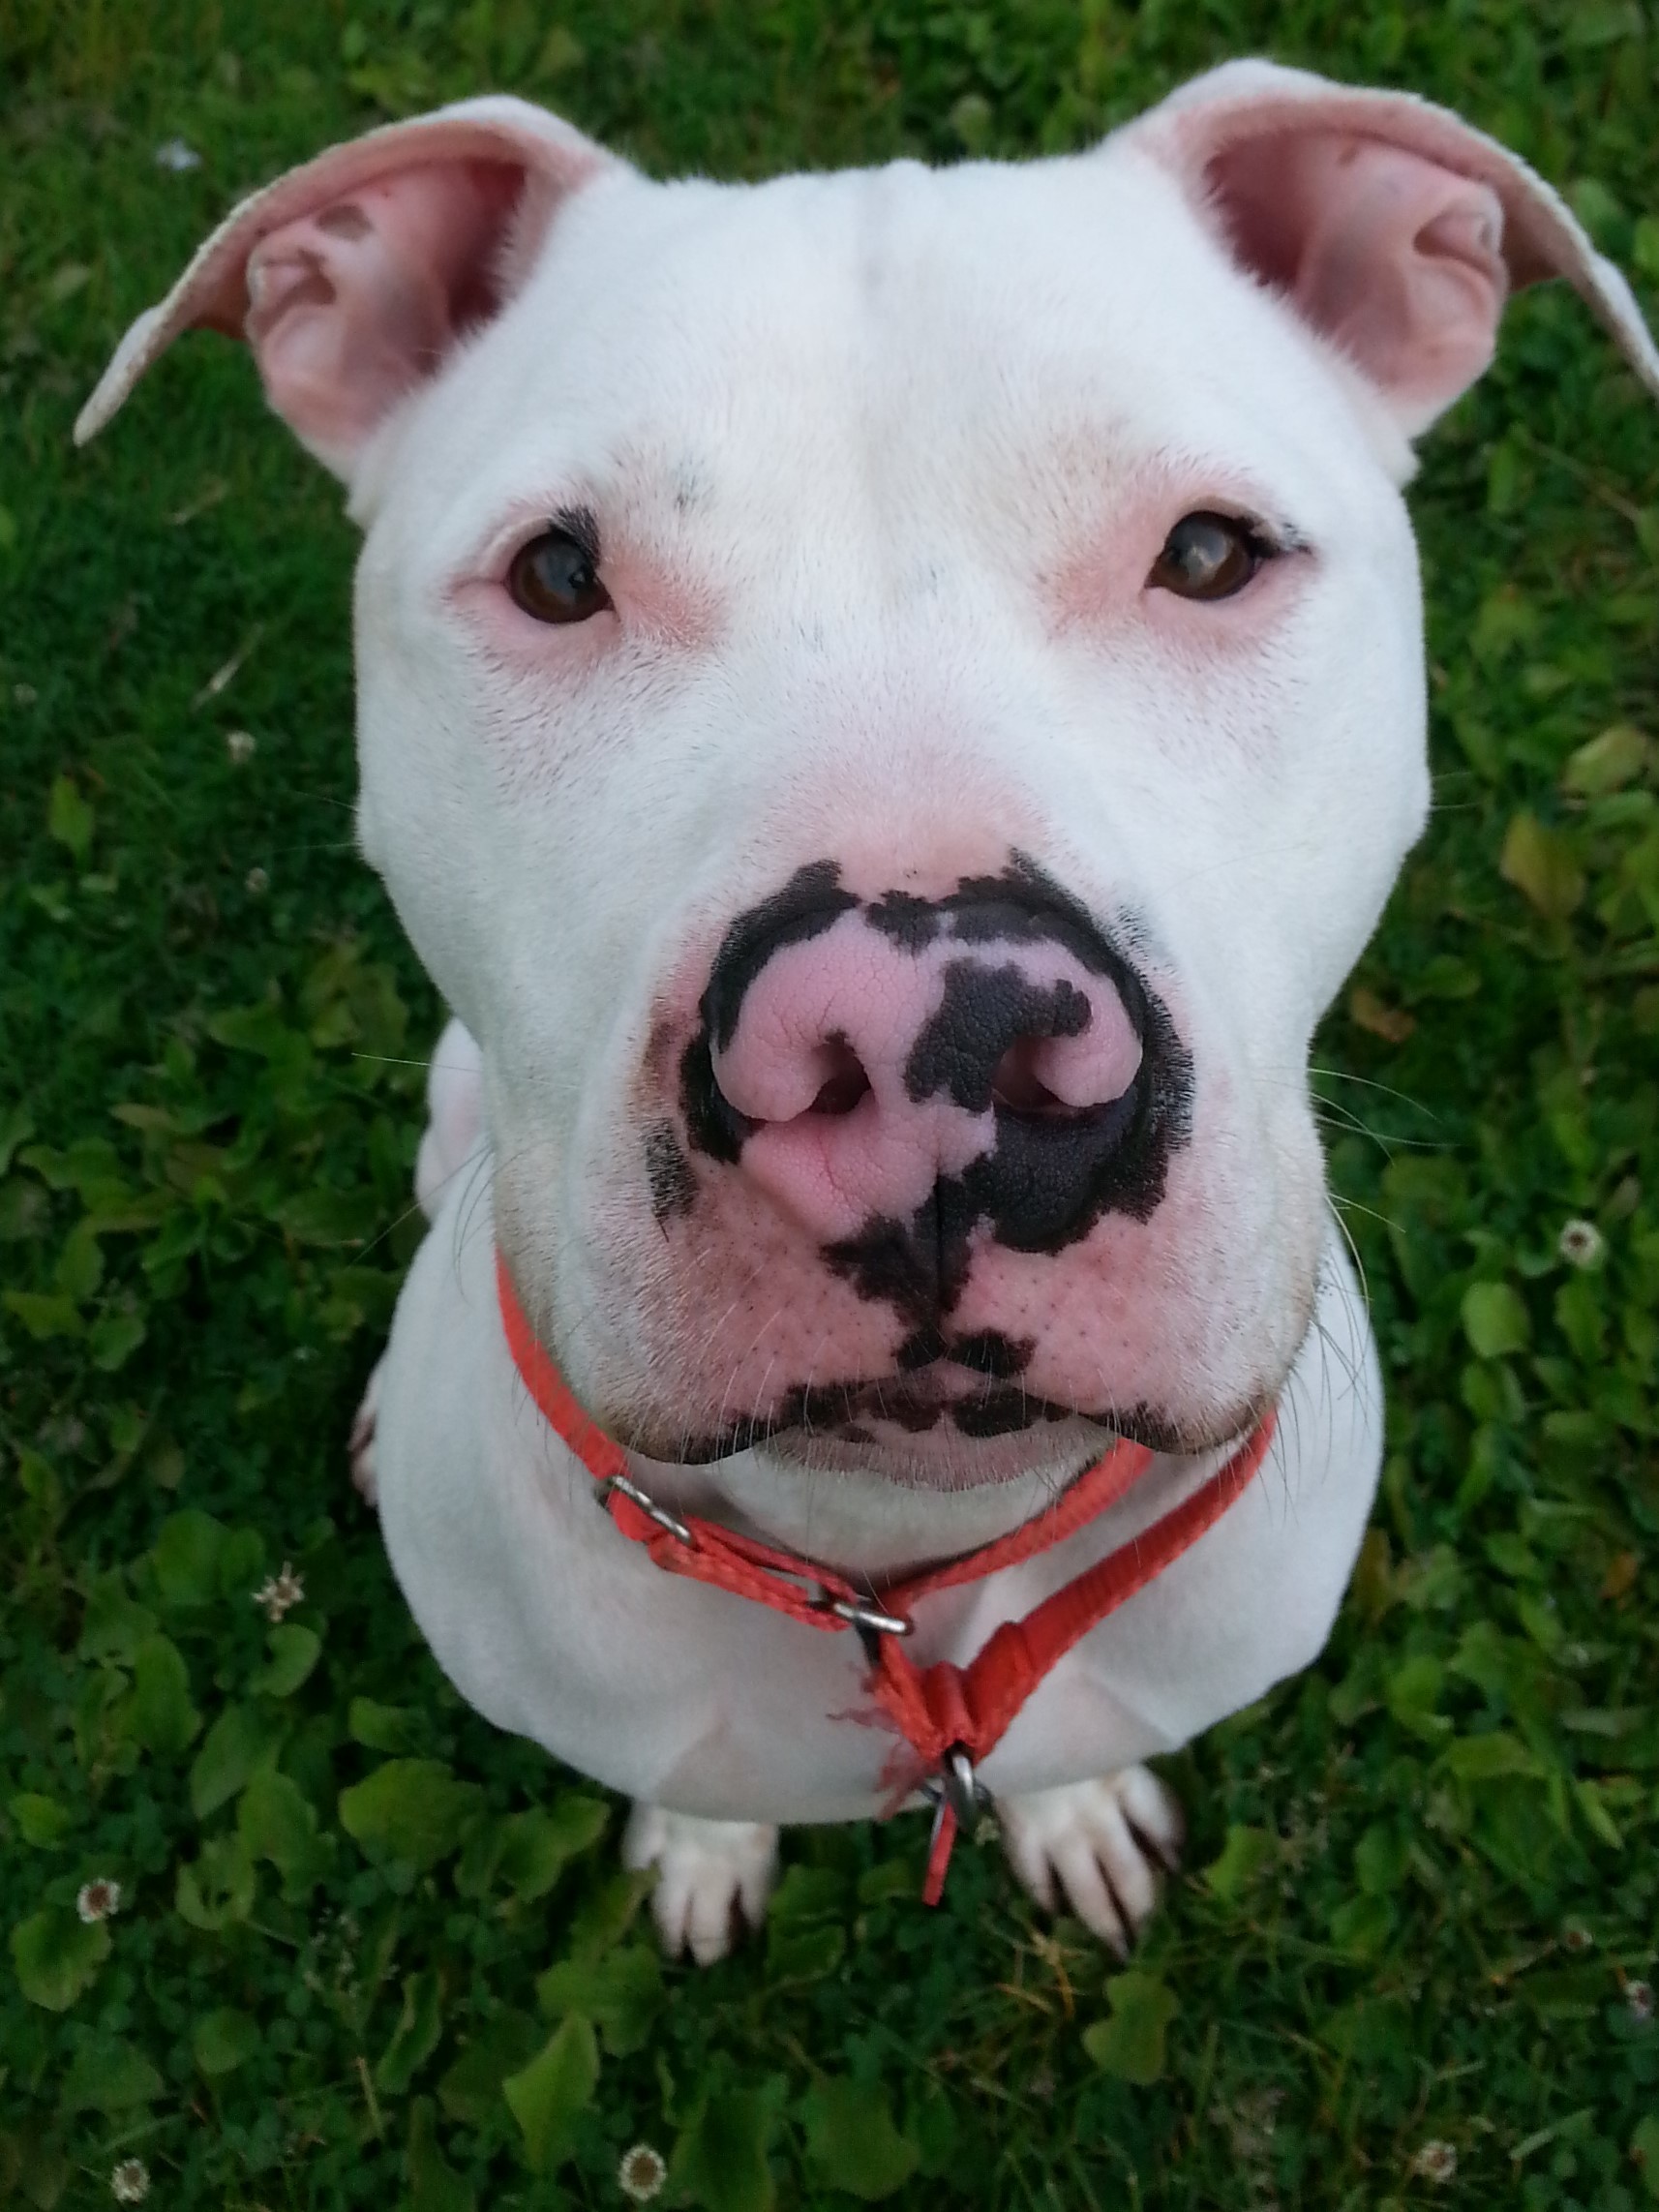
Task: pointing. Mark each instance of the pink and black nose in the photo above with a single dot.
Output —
(899, 1072)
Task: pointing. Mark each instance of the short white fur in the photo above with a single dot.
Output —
(876, 440)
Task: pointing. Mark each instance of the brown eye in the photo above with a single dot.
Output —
(556, 577)
(1208, 557)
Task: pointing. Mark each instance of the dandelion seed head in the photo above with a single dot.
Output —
(130, 2181)
(641, 2173)
(1436, 2162)
(1582, 1244)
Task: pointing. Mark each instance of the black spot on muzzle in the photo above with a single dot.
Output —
(984, 1011)
(1049, 1177)
(667, 1172)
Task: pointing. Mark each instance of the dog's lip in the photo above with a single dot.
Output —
(935, 1385)
(894, 1401)
(903, 1399)
(906, 1400)
(944, 1382)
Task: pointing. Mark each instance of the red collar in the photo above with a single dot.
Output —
(951, 1716)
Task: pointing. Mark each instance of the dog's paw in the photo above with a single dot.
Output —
(1096, 1848)
(360, 1444)
(712, 1876)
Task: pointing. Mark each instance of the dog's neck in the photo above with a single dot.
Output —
(870, 1524)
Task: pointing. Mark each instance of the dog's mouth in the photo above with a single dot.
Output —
(938, 1395)
(936, 1418)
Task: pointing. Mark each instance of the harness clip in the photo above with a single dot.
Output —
(957, 1799)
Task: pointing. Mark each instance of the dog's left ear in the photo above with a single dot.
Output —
(1389, 225)
(355, 278)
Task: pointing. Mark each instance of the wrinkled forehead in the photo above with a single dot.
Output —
(898, 337)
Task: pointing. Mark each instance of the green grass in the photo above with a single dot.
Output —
(1425, 1887)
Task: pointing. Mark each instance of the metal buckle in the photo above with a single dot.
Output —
(646, 1504)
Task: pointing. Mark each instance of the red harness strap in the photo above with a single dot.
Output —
(947, 1714)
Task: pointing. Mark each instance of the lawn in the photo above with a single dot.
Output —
(369, 1952)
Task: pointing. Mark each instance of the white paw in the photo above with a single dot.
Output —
(1097, 1848)
(360, 1444)
(711, 1874)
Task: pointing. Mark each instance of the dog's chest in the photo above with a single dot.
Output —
(557, 1628)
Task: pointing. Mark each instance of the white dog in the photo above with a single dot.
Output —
(890, 704)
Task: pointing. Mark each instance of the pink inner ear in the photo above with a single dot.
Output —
(1390, 256)
(353, 305)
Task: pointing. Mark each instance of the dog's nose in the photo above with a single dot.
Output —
(865, 1057)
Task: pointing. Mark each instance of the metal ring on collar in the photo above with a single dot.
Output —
(957, 1786)
(871, 1616)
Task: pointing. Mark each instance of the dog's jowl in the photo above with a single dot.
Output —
(888, 705)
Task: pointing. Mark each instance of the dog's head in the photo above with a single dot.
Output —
(890, 703)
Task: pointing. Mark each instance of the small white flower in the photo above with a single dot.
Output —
(257, 883)
(1582, 1244)
(25, 694)
(1639, 1996)
(1575, 1937)
(641, 2173)
(98, 1900)
(1436, 2162)
(280, 1593)
(175, 155)
(241, 746)
(130, 2181)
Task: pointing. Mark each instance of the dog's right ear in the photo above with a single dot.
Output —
(352, 278)
(1389, 227)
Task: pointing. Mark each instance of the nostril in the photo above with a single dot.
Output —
(844, 1080)
(1018, 1088)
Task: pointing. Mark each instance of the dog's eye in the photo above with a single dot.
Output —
(1208, 557)
(556, 578)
